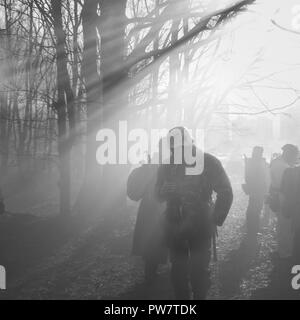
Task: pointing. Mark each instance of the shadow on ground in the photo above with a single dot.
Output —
(159, 289)
(236, 266)
(26, 239)
(280, 284)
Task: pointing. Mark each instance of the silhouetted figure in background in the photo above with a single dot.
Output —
(2, 205)
(256, 187)
(287, 160)
(147, 241)
(190, 218)
(290, 206)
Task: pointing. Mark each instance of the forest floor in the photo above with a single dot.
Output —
(57, 258)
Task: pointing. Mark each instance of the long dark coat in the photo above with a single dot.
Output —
(148, 233)
(290, 204)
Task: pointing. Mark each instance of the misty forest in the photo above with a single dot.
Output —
(70, 68)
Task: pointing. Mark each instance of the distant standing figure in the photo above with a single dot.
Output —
(288, 159)
(256, 187)
(290, 204)
(147, 241)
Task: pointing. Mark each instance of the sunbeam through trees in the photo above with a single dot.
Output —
(97, 100)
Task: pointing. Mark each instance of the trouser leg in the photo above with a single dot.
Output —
(285, 236)
(296, 247)
(150, 268)
(253, 214)
(179, 255)
(199, 268)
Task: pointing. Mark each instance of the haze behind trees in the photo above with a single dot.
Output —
(70, 68)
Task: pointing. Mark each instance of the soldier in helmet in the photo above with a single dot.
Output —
(288, 159)
(290, 203)
(256, 187)
(190, 216)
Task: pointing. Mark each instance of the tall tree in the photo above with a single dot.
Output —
(64, 107)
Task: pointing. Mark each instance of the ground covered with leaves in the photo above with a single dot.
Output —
(58, 258)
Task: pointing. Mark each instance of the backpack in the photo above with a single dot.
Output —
(189, 218)
(138, 181)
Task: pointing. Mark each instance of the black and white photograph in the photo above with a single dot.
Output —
(149, 151)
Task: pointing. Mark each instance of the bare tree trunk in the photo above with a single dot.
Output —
(4, 132)
(61, 107)
(101, 93)
(115, 96)
(25, 138)
(89, 195)
(174, 65)
(5, 96)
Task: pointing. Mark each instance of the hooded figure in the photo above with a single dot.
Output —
(190, 216)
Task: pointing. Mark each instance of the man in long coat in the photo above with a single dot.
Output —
(190, 216)
(148, 238)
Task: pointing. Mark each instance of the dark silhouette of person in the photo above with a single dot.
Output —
(288, 159)
(290, 204)
(190, 217)
(256, 187)
(148, 238)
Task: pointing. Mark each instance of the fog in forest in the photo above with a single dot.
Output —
(71, 69)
